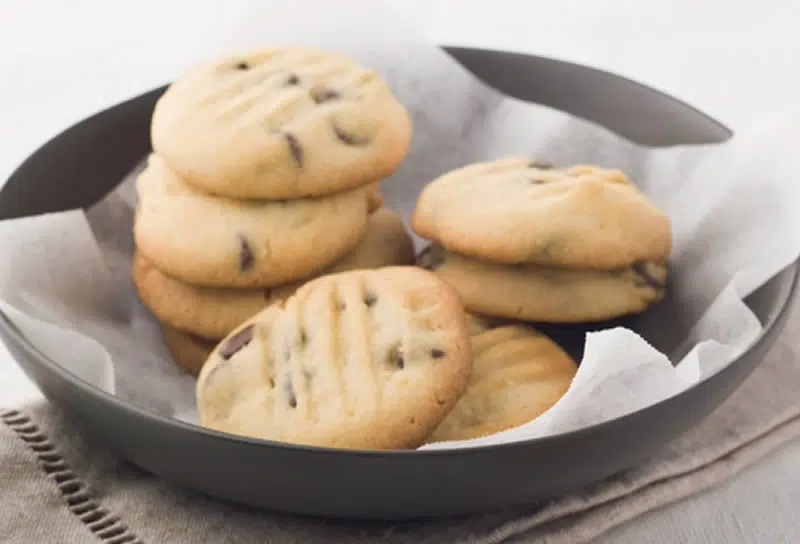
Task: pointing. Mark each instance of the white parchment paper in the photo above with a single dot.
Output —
(64, 278)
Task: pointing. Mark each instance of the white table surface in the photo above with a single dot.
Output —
(734, 59)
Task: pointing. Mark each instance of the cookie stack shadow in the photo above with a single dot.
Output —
(265, 173)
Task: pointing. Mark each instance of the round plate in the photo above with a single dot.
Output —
(379, 484)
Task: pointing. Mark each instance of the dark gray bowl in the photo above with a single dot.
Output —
(60, 175)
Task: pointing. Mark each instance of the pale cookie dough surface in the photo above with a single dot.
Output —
(547, 294)
(214, 312)
(370, 359)
(518, 373)
(281, 122)
(187, 350)
(514, 210)
(211, 241)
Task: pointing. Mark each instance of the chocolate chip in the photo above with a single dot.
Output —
(272, 383)
(640, 268)
(303, 337)
(292, 79)
(370, 299)
(291, 399)
(540, 165)
(324, 95)
(537, 181)
(437, 353)
(236, 342)
(294, 148)
(396, 358)
(246, 257)
(341, 305)
(243, 66)
(347, 138)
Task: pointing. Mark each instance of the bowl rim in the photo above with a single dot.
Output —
(652, 91)
(154, 418)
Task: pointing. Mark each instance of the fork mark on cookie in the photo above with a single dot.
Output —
(348, 138)
(291, 398)
(294, 147)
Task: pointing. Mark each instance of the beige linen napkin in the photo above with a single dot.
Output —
(58, 485)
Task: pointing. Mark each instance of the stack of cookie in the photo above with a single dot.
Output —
(278, 276)
(522, 240)
(264, 174)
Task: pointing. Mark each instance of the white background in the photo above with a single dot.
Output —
(733, 59)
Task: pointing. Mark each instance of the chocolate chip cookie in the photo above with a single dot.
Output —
(514, 210)
(547, 294)
(219, 242)
(518, 373)
(371, 359)
(279, 123)
(215, 312)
